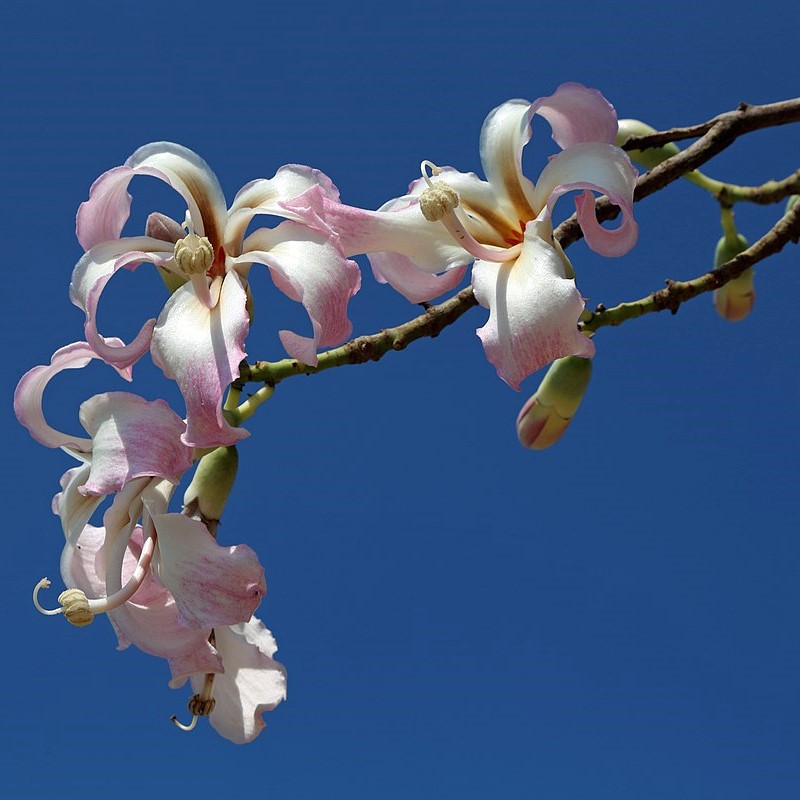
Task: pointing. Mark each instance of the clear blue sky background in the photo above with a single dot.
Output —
(614, 618)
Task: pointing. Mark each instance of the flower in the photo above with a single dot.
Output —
(520, 272)
(198, 338)
(162, 579)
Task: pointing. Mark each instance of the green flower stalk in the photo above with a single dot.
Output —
(211, 485)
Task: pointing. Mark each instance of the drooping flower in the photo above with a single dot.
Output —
(198, 339)
(504, 225)
(162, 579)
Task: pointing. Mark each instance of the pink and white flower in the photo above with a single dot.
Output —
(162, 579)
(198, 339)
(504, 225)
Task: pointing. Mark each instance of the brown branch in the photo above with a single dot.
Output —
(786, 230)
(365, 348)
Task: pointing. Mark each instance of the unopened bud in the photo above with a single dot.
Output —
(212, 483)
(545, 417)
(735, 300)
(650, 157)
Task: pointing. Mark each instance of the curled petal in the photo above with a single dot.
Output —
(505, 132)
(308, 266)
(598, 167)
(201, 349)
(132, 437)
(104, 214)
(275, 197)
(212, 585)
(533, 309)
(29, 391)
(89, 278)
(253, 682)
(71, 506)
(577, 114)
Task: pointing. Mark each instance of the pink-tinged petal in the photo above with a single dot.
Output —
(415, 285)
(104, 214)
(212, 585)
(610, 242)
(598, 167)
(72, 507)
(308, 267)
(201, 349)
(505, 132)
(577, 114)
(89, 278)
(397, 227)
(132, 437)
(272, 196)
(252, 684)
(150, 619)
(29, 391)
(203, 660)
(533, 309)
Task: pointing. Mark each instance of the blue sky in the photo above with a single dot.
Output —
(613, 618)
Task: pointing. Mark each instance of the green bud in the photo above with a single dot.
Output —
(544, 418)
(212, 483)
(652, 156)
(734, 301)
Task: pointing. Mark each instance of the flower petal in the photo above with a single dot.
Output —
(414, 284)
(29, 391)
(271, 196)
(104, 214)
(150, 619)
(201, 349)
(251, 684)
(505, 132)
(89, 278)
(308, 266)
(132, 437)
(72, 507)
(534, 309)
(598, 167)
(212, 585)
(577, 114)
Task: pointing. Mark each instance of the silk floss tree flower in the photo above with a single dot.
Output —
(161, 578)
(198, 338)
(504, 225)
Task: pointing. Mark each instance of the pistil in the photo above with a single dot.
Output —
(194, 256)
(80, 610)
(438, 203)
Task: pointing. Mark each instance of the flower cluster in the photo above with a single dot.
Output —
(165, 582)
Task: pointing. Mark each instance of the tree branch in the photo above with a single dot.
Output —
(365, 348)
(677, 292)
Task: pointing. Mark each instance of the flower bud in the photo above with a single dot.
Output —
(734, 301)
(212, 483)
(545, 417)
(652, 156)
